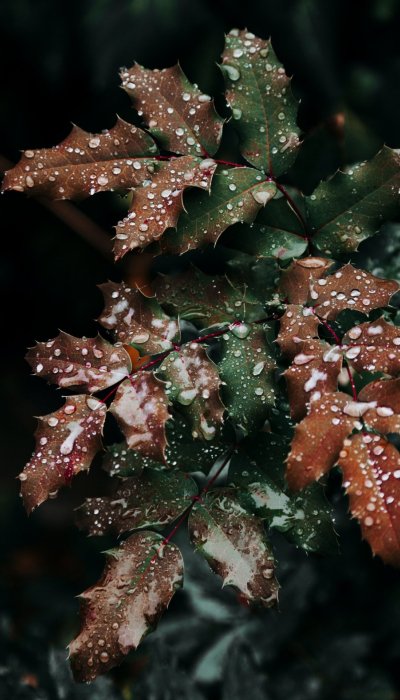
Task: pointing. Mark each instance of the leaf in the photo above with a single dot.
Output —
(140, 407)
(149, 499)
(385, 397)
(374, 347)
(192, 380)
(157, 203)
(277, 232)
(205, 300)
(88, 363)
(135, 318)
(66, 443)
(319, 437)
(313, 372)
(352, 205)
(305, 519)
(84, 164)
(350, 288)
(237, 195)
(295, 280)
(371, 472)
(137, 585)
(235, 546)
(298, 324)
(177, 113)
(246, 368)
(263, 107)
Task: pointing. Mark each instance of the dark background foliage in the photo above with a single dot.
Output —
(337, 632)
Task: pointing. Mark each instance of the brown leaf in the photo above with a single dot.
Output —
(295, 280)
(88, 363)
(297, 324)
(235, 546)
(385, 417)
(313, 372)
(140, 407)
(66, 443)
(193, 381)
(137, 319)
(179, 115)
(157, 204)
(85, 163)
(374, 346)
(319, 437)
(350, 288)
(137, 585)
(371, 471)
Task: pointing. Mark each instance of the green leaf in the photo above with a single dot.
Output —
(305, 519)
(235, 546)
(193, 381)
(152, 498)
(138, 583)
(276, 233)
(182, 451)
(246, 368)
(236, 196)
(263, 107)
(178, 114)
(353, 204)
(260, 276)
(205, 300)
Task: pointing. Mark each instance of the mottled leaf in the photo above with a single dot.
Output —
(149, 499)
(235, 546)
(178, 114)
(319, 437)
(205, 300)
(140, 407)
(237, 195)
(313, 372)
(295, 281)
(87, 363)
(350, 288)
(138, 582)
(371, 472)
(297, 325)
(157, 204)
(246, 368)
(66, 443)
(352, 205)
(263, 107)
(305, 519)
(84, 164)
(192, 380)
(374, 347)
(136, 319)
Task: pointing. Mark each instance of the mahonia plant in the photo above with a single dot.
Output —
(202, 372)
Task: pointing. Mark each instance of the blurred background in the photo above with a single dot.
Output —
(336, 634)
